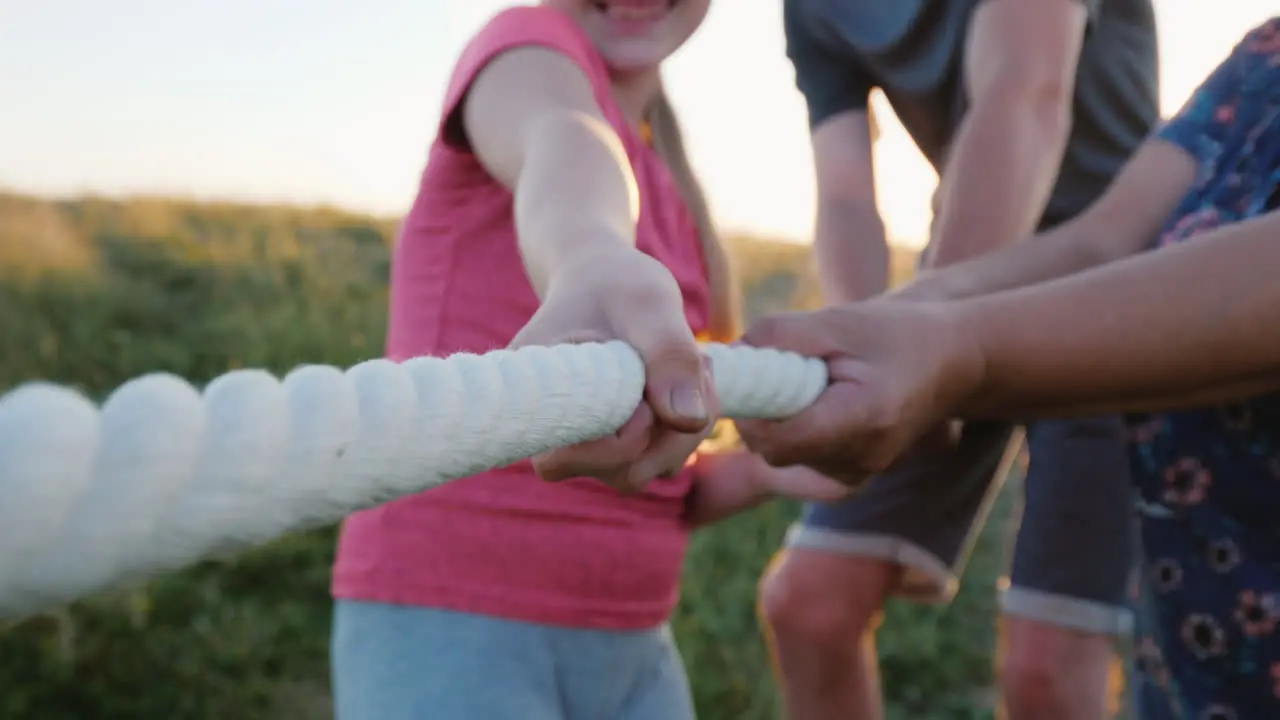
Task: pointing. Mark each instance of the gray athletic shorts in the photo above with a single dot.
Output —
(1076, 543)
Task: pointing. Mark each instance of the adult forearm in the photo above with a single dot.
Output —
(1182, 326)
(851, 252)
(1002, 168)
(1062, 252)
(575, 196)
(1124, 221)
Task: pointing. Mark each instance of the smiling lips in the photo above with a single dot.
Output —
(635, 11)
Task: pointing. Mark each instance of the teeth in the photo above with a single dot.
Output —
(636, 12)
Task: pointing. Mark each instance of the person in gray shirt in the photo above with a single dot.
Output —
(1027, 108)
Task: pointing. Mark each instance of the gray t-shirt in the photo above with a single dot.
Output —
(913, 51)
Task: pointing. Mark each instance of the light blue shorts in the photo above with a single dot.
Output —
(394, 662)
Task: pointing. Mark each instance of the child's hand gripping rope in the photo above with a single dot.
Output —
(626, 294)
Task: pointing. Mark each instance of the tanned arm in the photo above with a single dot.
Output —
(1124, 221)
(849, 239)
(1020, 67)
(1184, 326)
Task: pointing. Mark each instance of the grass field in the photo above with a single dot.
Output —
(94, 292)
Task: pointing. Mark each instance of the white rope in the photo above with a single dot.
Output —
(164, 475)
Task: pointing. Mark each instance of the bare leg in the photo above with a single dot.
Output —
(1054, 673)
(821, 611)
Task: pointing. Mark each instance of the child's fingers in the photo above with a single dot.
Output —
(601, 458)
(670, 449)
(666, 456)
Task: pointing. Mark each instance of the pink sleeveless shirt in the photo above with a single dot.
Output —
(505, 543)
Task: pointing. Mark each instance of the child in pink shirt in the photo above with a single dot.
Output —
(556, 205)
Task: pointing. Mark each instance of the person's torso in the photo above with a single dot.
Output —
(1208, 479)
(914, 49)
(505, 542)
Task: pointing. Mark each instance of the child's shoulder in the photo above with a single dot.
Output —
(525, 26)
(521, 26)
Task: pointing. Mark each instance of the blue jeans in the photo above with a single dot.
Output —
(394, 662)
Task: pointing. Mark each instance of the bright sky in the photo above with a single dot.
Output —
(333, 101)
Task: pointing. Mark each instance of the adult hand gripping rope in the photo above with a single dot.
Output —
(164, 475)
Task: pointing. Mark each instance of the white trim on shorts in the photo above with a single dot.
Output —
(928, 580)
(1088, 616)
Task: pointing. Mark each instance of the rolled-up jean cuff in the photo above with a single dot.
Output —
(1071, 613)
(925, 577)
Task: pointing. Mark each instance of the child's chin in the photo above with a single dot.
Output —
(635, 56)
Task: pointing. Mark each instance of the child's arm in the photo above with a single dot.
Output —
(731, 482)
(532, 120)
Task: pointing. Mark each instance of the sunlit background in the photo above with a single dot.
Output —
(332, 101)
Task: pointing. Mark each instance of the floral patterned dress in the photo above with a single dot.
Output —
(1208, 479)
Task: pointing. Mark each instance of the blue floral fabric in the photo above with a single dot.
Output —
(1208, 480)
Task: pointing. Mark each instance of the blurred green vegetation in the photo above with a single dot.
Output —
(94, 292)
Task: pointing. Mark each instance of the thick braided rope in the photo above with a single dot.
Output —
(164, 475)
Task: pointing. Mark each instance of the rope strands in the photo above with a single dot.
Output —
(163, 475)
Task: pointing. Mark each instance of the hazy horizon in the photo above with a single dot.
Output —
(263, 102)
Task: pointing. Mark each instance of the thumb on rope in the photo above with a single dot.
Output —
(677, 383)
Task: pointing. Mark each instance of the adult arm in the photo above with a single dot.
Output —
(1184, 326)
(1188, 325)
(1124, 221)
(1019, 71)
(849, 240)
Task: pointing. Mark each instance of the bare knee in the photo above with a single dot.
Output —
(1049, 672)
(822, 601)
(1030, 686)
